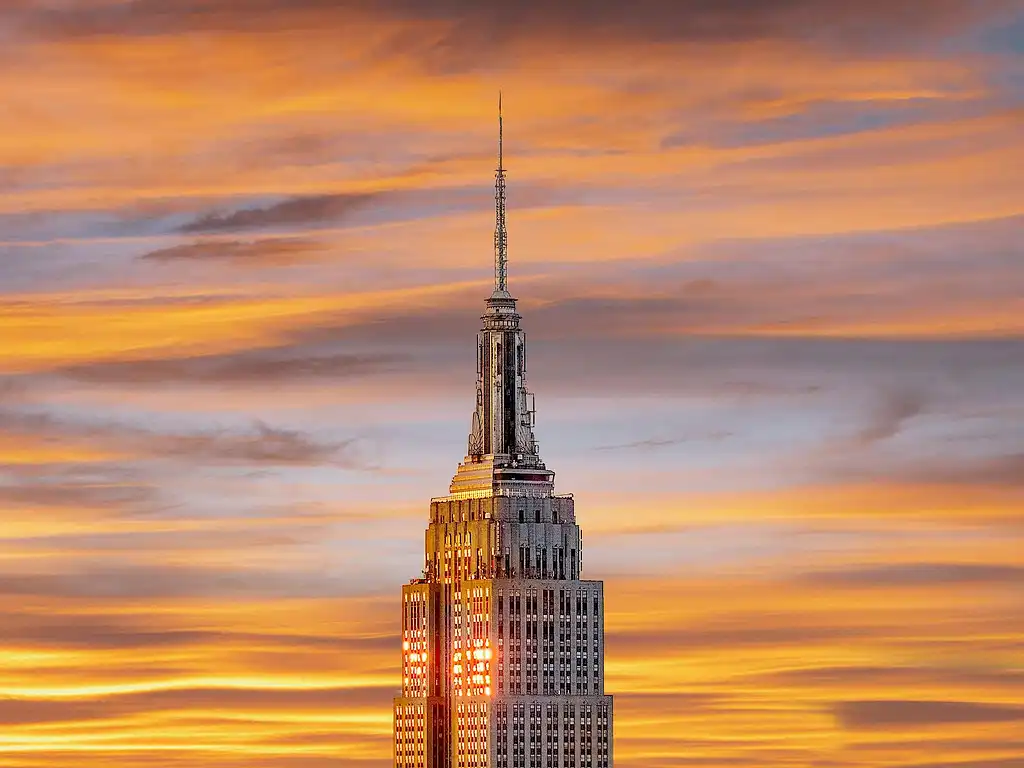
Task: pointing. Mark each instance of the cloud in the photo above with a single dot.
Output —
(892, 413)
(492, 22)
(918, 574)
(161, 582)
(296, 211)
(999, 470)
(257, 367)
(895, 677)
(1010, 762)
(57, 330)
(863, 715)
(251, 700)
(77, 490)
(267, 251)
(721, 637)
(995, 470)
(260, 444)
(112, 632)
(654, 443)
(712, 234)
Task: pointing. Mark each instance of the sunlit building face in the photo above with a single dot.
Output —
(502, 639)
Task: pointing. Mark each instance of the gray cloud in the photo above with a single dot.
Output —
(241, 219)
(259, 444)
(1002, 470)
(897, 677)
(737, 636)
(390, 205)
(255, 367)
(785, 286)
(864, 715)
(476, 24)
(655, 443)
(75, 488)
(672, 347)
(267, 251)
(652, 345)
(295, 211)
(262, 445)
(161, 582)
(116, 632)
(1009, 762)
(889, 417)
(71, 487)
(918, 574)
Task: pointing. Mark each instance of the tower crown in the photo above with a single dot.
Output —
(502, 452)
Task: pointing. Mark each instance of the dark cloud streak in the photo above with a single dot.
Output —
(870, 715)
(894, 410)
(259, 444)
(268, 251)
(256, 367)
(292, 212)
(158, 582)
(477, 24)
(655, 443)
(262, 445)
(919, 575)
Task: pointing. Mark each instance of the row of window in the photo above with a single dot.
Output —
(415, 661)
(535, 735)
(469, 510)
(466, 564)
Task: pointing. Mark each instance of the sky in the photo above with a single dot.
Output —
(769, 260)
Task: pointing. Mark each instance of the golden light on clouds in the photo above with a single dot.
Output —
(768, 257)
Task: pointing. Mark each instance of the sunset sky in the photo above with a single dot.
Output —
(769, 258)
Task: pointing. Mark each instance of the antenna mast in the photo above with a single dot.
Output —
(500, 235)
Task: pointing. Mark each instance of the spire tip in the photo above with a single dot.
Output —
(500, 236)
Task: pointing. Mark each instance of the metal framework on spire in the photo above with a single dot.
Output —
(500, 234)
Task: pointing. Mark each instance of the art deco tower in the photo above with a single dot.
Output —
(502, 639)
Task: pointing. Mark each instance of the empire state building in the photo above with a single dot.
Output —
(502, 638)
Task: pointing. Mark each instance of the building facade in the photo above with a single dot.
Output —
(502, 638)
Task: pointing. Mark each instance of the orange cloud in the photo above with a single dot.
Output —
(46, 331)
(239, 239)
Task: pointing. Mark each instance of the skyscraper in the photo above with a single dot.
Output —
(502, 638)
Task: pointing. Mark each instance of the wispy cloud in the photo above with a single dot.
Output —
(283, 250)
(768, 257)
(260, 444)
(899, 714)
(255, 368)
(704, 20)
(654, 443)
(891, 414)
(318, 209)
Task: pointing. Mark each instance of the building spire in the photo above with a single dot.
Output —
(500, 235)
